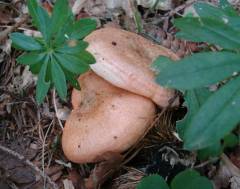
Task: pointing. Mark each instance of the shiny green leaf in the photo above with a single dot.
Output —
(153, 182)
(73, 47)
(23, 42)
(198, 70)
(208, 30)
(31, 58)
(216, 118)
(82, 28)
(59, 79)
(194, 100)
(42, 85)
(72, 63)
(40, 18)
(190, 179)
(209, 11)
(59, 16)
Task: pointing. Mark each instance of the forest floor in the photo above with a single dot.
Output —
(30, 135)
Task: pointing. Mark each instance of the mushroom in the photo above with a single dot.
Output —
(115, 106)
(124, 59)
(105, 119)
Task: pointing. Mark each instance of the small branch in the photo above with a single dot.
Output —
(4, 33)
(55, 108)
(232, 168)
(29, 163)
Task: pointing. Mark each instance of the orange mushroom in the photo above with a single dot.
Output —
(124, 59)
(114, 108)
(105, 119)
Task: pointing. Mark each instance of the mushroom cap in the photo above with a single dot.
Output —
(105, 119)
(124, 59)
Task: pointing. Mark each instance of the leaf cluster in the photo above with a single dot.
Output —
(211, 115)
(188, 179)
(60, 54)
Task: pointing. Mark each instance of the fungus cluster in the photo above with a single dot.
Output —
(117, 100)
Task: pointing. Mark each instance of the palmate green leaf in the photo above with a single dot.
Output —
(198, 70)
(63, 33)
(227, 7)
(31, 58)
(59, 79)
(184, 177)
(23, 42)
(208, 30)
(194, 99)
(35, 68)
(73, 47)
(82, 28)
(216, 118)
(153, 182)
(72, 63)
(72, 79)
(59, 16)
(40, 18)
(42, 85)
(32, 8)
(190, 179)
(228, 17)
(87, 57)
(230, 141)
(213, 150)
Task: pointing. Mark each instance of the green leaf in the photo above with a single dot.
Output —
(216, 118)
(194, 100)
(31, 58)
(40, 18)
(63, 34)
(208, 30)
(72, 79)
(152, 182)
(23, 42)
(182, 179)
(59, 16)
(87, 57)
(59, 79)
(212, 151)
(223, 15)
(72, 63)
(35, 68)
(190, 179)
(42, 85)
(32, 8)
(227, 7)
(82, 28)
(198, 70)
(230, 141)
(73, 47)
(138, 21)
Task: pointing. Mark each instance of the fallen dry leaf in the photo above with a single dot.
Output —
(68, 184)
(104, 170)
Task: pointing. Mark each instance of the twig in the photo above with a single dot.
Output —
(29, 163)
(181, 7)
(203, 164)
(55, 108)
(4, 33)
(231, 167)
(78, 5)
